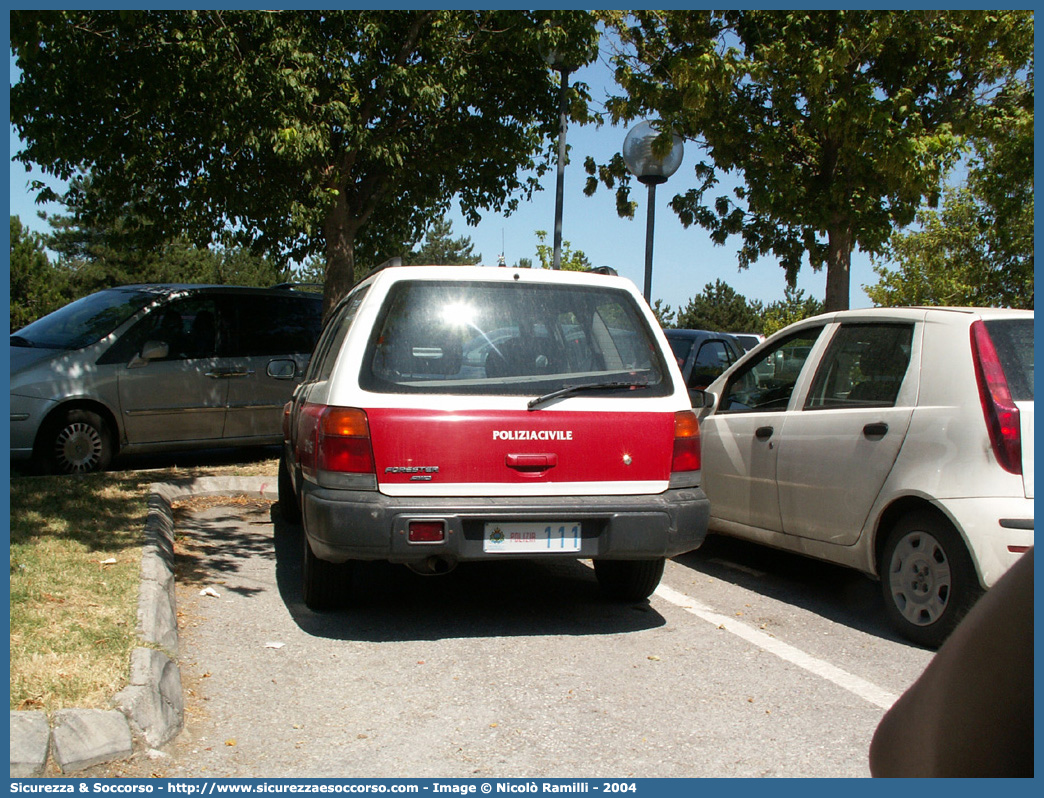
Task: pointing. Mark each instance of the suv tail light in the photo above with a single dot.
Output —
(686, 442)
(333, 439)
(1002, 416)
(286, 421)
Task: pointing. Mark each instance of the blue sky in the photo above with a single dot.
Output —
(684, 260)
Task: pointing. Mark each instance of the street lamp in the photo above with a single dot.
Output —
(563, 62)
(650, 169)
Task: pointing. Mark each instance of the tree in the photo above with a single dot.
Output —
(1002, 179)
(978, 248)
(333, 133)
(571, 260)
(664, 314)
(441, 248)
(37, 287)
(94, 256)
(837, 124)
(721, 308)
(794, 306)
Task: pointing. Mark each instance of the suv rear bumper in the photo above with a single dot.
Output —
(367, 525)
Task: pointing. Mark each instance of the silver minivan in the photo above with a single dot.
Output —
(146, 368)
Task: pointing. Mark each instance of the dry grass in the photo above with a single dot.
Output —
(75, 573)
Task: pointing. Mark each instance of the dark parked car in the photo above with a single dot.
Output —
(702, 355)
(146, 368)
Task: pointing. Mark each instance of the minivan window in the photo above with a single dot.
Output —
(85, 321)
(190, 327)
(509, 338)
(1013, 340)
(276, 325)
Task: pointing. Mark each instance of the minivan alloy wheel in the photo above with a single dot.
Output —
(80, 443)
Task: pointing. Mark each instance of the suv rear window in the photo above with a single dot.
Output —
(1013, 339)
(509, 338)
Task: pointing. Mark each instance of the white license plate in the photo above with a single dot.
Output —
(532, 538)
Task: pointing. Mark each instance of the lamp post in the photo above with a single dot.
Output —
(650, 169)
(563, 62)
(558, 62)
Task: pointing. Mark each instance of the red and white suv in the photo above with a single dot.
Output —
(455, 413)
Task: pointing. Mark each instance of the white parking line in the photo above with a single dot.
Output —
(860, 687)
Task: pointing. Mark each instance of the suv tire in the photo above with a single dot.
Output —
(289, 507)
(927, 578)
(629, 580)
(324, 585)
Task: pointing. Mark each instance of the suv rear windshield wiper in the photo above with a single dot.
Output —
(569, 390)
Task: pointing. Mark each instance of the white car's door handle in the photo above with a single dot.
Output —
(877, 430)
(763, 433)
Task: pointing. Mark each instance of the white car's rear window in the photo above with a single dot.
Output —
(1013, 339)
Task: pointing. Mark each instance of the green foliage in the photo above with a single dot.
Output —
(721, 308)
(94, 256)
(571, 260)
(977, 250)
(338, 134)
(794, 306)
(37, 287)
(949, 260)
(837, 124)
(664, 314)
(441, 248)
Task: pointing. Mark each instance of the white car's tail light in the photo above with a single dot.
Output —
(1001, 414)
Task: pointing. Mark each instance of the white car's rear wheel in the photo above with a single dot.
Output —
(927, 577)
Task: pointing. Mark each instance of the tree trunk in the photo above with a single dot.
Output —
(839, 269)
(340, 230)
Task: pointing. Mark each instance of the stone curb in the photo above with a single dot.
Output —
(151, 708)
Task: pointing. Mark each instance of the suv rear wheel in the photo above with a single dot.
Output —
(629, 580)
(927, 577)
(289, 507)
(324, 585)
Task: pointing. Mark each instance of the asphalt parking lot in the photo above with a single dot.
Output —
(745, 663)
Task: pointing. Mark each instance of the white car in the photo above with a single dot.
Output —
(897, 441)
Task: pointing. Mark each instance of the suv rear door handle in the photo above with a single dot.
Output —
(763, 433)
(532, 462)
(875, 430)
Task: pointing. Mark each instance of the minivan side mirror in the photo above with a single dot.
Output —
(282, 369)
(152, 350)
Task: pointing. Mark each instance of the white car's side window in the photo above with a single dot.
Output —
(766, 384)
(864, 366)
